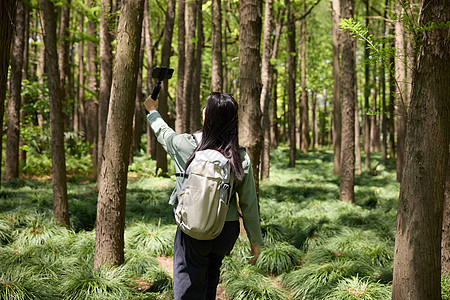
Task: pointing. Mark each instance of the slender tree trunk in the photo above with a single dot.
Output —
(335, 8)
(92, 86)
(445, 246)
(417, 260)
(196, 121)
(250, 133)
(391, 120)
(191, 17)
(304, 109)
(63, 49)
(79, 105)
(274, 131)
(106, 65)
(314, 141)
(7, 19)
(291, 65)
(109, 243)
(180, 121)
(216, 47)
(60, 202)
(15, 99)
(373, 117)
(225, 48)
(161, 155)
(384, 112)
(348, 108)
(366, 120)
(139, 110)
(358, 168)
(25, 76)
(266, 76)
(40, 76)
(400, 105)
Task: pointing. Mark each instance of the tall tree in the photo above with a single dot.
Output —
(400, 74)
(335, 13)
(266, 80)
(161, 155)
(106, 63)
(60, 202)
(110, 221)
(291, 65)
(191, 22)
(384, 119)
(304, 107)
(180, 121)
(7, 15)
(366, 118)
(249, 84)
(348, 81)
(196, 118)
(216, 47)
(14, 101)
(417, 260)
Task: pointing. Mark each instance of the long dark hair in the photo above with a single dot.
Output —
(220, 130)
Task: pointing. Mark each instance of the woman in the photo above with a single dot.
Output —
(196, 264)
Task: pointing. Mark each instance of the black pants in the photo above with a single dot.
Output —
(196, 264)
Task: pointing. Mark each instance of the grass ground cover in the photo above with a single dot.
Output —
(316, 247)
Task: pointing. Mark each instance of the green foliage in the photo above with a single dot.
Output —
(277, 258)
(156, 240)
(360, 288)
(445, 286)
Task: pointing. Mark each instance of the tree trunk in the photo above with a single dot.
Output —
(266, 76)
(63, 49)
(348, 108)
(304, 114)
(15, 99)
(400, 74)
(358, 168)
(366, 120)
(7, 16)
(180, 121)
(384, 112)
(417, 260)
(109, 243)
(91, 113)
(391, 120)
(445, 248)
(250, 132)
(139, 110)
(161, 155)
(60, 202)
(225, 48)
(216, 47)
(314, 140)
(196, 119)
(335, 8)
(191, 22)
(25, 76)
(106, 65)
(274, 131)
(79, 105)
(291, 65)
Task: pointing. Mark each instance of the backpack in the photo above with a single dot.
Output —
(205, 195)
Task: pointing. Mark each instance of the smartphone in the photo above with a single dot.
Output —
(162, 73)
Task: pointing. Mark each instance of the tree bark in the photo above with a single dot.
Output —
(14, 101)
(191, 22)
(106, 65)
(25, 76)
(358, 168)
(366, 120)
(400, 74)
(391, 120)
(274, 130)
(109, 243)
(266, 79)
(180, 105)
(250, 134)
(7, 16)
(335, 9)
(60, 202)
(139, 110)
(445, 246)
(304, 107)
(91, 113)
(161, 155)
(78, 113)
(417, 260)
(216, 47)
(225, 48)
(348, 82)
(384, 112)
(291, 65)
(196, 119)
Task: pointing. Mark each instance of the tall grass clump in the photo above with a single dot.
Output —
(445, 286)
(355, 288)
(21, 283)
(277, 258)
(155, 240)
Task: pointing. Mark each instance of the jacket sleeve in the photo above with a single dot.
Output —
(249, 204)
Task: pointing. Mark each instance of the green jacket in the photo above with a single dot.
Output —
(181, 146)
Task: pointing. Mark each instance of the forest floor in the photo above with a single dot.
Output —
(316, 247)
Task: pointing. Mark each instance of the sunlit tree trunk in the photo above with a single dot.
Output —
(250, 85)
(60, 202)
(335, 9)
(25, 76)
(304, 107)
(266, 76)
(291, 66)
(391, 120)
(106, 65)
(348, 82)
(384, 111)
(216, 47)
(109, 243)
(180, 104)
(191, 22)
(358, 168)
(161, 155)
(225, 47)
(417, 260)
(15, 99)
(366, 119)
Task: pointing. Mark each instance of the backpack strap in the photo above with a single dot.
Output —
(181, 175)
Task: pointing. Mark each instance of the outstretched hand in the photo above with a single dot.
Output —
(255, 251)
(151, 104)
